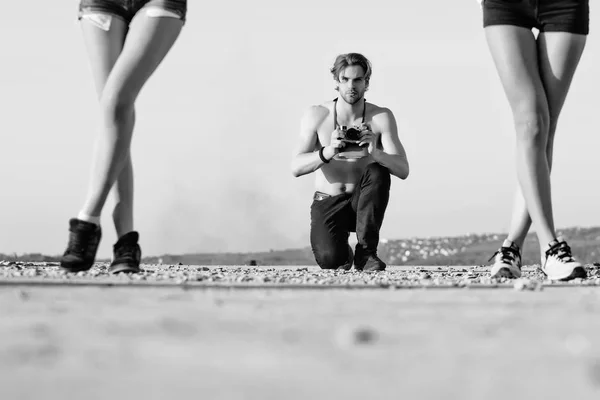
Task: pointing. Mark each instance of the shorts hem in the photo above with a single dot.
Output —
(566, 28)
(101, 10)
(511, 23)
(181, 11)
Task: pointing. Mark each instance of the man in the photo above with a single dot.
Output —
(352, 176)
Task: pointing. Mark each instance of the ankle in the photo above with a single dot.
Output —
(510, 244)
(124, 232)
(550, 244)
(88, 218)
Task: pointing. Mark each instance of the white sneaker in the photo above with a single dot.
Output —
(507, 262)
(559, 264)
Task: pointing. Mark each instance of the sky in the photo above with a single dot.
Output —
(218, 122)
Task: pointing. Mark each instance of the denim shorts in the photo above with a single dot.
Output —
(127, 9)
(571, 16)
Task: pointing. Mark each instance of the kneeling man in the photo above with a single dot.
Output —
(353, 147)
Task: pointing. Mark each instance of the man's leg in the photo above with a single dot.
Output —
(329, 232)
(369, 201)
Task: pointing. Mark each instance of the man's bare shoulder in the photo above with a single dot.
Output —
(319, 111)
(316, 114)
(379, 112)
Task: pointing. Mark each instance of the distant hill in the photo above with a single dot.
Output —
(473, 249)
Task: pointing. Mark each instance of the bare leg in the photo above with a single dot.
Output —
(514, 51)
(104, 49)
(147, 43)
(559, 54)
(123, 191)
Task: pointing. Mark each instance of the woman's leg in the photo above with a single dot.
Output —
(514, 50)
(558, 54)
(104, 49)
(104, 45)
(148, 41)
(526, 72)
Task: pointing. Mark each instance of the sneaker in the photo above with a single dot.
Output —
(559, 264)
(126, 254)
(507, 262)
(84, 238)
(368, 262)
(348, 265)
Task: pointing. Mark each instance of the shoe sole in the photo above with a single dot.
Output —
(506, 272)
(76, 268)
(578, 272)
(123, 268)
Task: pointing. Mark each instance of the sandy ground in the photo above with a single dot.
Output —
(112, 342)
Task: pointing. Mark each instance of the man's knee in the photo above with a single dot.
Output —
(377, 173)
(333, 258)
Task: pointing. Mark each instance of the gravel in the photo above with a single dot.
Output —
(17, 273)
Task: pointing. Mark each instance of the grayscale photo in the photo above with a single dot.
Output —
(311, 200)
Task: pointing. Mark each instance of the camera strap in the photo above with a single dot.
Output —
(335, 121)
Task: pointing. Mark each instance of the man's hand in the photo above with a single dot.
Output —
(370, 139)
(335, 145)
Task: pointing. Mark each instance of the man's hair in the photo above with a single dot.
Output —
(346, 60)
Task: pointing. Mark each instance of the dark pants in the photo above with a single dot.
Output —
(334, 217)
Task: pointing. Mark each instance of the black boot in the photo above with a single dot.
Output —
(84, 238)
(368, 261)
(126, 254)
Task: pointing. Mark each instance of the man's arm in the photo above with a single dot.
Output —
(306, 159)
(391, 154)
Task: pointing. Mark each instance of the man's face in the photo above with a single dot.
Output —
(352, 85)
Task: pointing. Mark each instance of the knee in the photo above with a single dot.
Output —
(331, 258)
(532, 127)
(117, 106)
(377, 173)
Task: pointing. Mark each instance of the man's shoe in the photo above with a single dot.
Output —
(126, 254)
(507, 263)
(374, 264)
(368, 262)
(84, 238)
(348, 265)
(559, 264)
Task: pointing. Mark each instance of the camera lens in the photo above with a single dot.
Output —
(353, 134)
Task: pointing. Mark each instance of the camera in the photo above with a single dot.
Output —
(350, 135)
(351, 138)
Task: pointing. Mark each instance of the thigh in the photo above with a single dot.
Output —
(514, 51)
(559, 55)
(148, 41)
(104, 36)
(329, 224)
